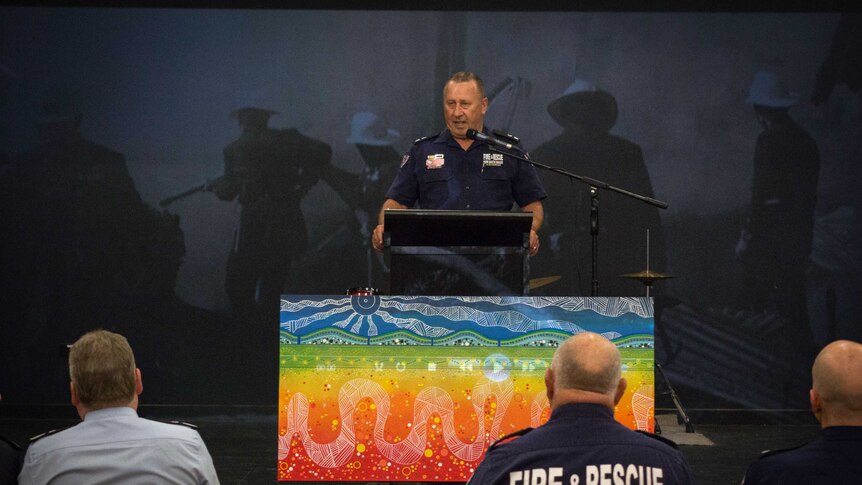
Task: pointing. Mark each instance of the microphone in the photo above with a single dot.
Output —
(490, 140)
(506, 136)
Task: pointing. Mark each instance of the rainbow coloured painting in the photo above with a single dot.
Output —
(415, 389)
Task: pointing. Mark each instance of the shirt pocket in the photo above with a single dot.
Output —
(436, 175)
(435, 188)
(496, 188)
(493, 174)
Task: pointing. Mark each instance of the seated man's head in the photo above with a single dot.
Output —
(836, 394)
(103, 372)
(586, 369)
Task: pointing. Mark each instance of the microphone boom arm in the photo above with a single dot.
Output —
(594, 185)
(591, 181)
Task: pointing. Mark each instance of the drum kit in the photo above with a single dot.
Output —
(647, 277)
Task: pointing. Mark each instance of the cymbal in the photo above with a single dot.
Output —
(545, 280)
(646, 276)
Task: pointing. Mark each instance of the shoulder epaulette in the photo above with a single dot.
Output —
(183, 423)
(664, 440)
(766, 453)
(420, 140)
(509, 437)
(45, 434)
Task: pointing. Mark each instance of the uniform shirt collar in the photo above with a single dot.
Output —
(446, 137)
(842, 433)
(582, 410)
(109, 413)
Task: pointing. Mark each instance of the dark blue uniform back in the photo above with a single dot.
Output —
(582, 444)
(833, 458)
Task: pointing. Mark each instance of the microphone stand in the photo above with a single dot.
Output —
(594, 185)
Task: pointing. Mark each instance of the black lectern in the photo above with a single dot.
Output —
(464, 253)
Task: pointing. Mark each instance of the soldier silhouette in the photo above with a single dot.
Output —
(585, 147)
(75, 247)
(268, 171)
(776, 241)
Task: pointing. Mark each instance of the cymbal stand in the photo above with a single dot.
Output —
(594, 238)
(681, 416)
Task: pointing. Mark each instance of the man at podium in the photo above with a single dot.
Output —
(451, 171)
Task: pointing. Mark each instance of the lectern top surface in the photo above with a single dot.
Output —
(425, 227)
(457, 213)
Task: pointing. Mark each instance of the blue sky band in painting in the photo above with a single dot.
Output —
(486, 321)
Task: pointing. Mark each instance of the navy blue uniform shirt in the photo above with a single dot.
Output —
(582, 444)
(438, 174)
(835, 457)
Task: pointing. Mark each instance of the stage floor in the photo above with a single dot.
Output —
(243, 446)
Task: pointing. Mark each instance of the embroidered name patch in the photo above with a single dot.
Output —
(492, 160)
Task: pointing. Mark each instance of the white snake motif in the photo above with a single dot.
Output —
(429, 401)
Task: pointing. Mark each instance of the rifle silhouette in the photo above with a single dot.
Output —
(346, 184)
(204, 187)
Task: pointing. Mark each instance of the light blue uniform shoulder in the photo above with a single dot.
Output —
(46, 434)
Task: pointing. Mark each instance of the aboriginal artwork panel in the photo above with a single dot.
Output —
(390, 388)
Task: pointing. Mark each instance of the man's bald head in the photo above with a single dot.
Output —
(836, 396)
(586, 365)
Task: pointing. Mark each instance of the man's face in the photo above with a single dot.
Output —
(463, 107)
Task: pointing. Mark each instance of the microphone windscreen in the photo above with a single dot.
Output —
(471, 134)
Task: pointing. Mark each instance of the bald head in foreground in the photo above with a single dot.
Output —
(587, 368)
(582, 443)
(836, 394)
(836, 401)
